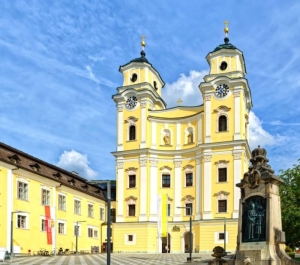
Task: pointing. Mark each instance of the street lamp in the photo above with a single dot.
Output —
(77, 235)
(12, 230)
(108, 199)
(224, 232)
(190, 211)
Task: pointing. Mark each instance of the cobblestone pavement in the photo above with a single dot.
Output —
(116, 259)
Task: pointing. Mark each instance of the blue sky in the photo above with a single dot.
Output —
(60, 59)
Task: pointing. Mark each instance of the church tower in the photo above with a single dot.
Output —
(191, 155)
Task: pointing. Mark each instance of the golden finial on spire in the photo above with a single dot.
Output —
(179, 101)
(226, 29)
(143, 43)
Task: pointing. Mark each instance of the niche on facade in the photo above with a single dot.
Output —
(189, 135)
(166, 137)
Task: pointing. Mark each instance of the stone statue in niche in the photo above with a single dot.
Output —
(167, 139)
(254, 221)
(190, 137)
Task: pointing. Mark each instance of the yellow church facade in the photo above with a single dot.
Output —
(194, 154)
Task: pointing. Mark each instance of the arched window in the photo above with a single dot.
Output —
(132, 132)
(222, 123)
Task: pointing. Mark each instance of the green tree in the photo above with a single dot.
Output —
(290, 204)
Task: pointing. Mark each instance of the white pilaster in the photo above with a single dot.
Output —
(120, 193)
(10, 199)
(237, 175)
(237, 116)
(199, 136)
(143, 125)
(53, 217)
(207, 119)
(177, 191)
(153, 189)
(198, 188)
(143, 189)
(153, 144)
(207, 187)
(120, 128)
(178, 136)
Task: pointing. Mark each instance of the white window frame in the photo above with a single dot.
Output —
(24, 215)
(220, 241)
(90, 210)
(43, 219)
(126, 239)
(222, 195)
(221, 164)
(25, 198)
(102, 213)
(75, 206)
(64, 202)
(45, 200)
(131, 121)
(93, 230)
(64, 227)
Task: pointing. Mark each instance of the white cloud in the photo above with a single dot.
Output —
(74, 161)
(259, 136)
(185, 88)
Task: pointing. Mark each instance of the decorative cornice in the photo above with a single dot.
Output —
(188, 198)
(143, 104)
(131, 169)
(222, 192)
(222, 109)
(166, 167)
(198, 161)
(120, 108)
(222, 162)
(131, 119)
(188, 167)
(131, 198)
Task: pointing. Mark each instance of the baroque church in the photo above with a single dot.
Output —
(193, 154)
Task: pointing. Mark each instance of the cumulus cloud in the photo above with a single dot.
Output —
(74, 161)
(185, 88)
(259, 136)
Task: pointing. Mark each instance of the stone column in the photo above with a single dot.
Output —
(199, 136)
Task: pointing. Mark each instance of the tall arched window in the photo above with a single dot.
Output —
(132, 132)
(222, 123)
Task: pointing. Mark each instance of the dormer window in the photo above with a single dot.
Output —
(85, 187)
(57, 175)
(72, 182)
(35, 167)
(15, 159)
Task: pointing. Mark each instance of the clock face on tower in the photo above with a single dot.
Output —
(222, 90)
(131, 102)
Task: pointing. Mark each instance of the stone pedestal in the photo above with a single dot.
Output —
(260, 238)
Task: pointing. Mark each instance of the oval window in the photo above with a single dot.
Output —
(223, 66)
(134, 77)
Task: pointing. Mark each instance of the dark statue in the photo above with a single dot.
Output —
(254, 219)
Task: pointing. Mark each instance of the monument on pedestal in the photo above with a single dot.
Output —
(260, 237)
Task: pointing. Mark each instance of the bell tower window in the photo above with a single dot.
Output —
(222, 123)
(132, 132)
